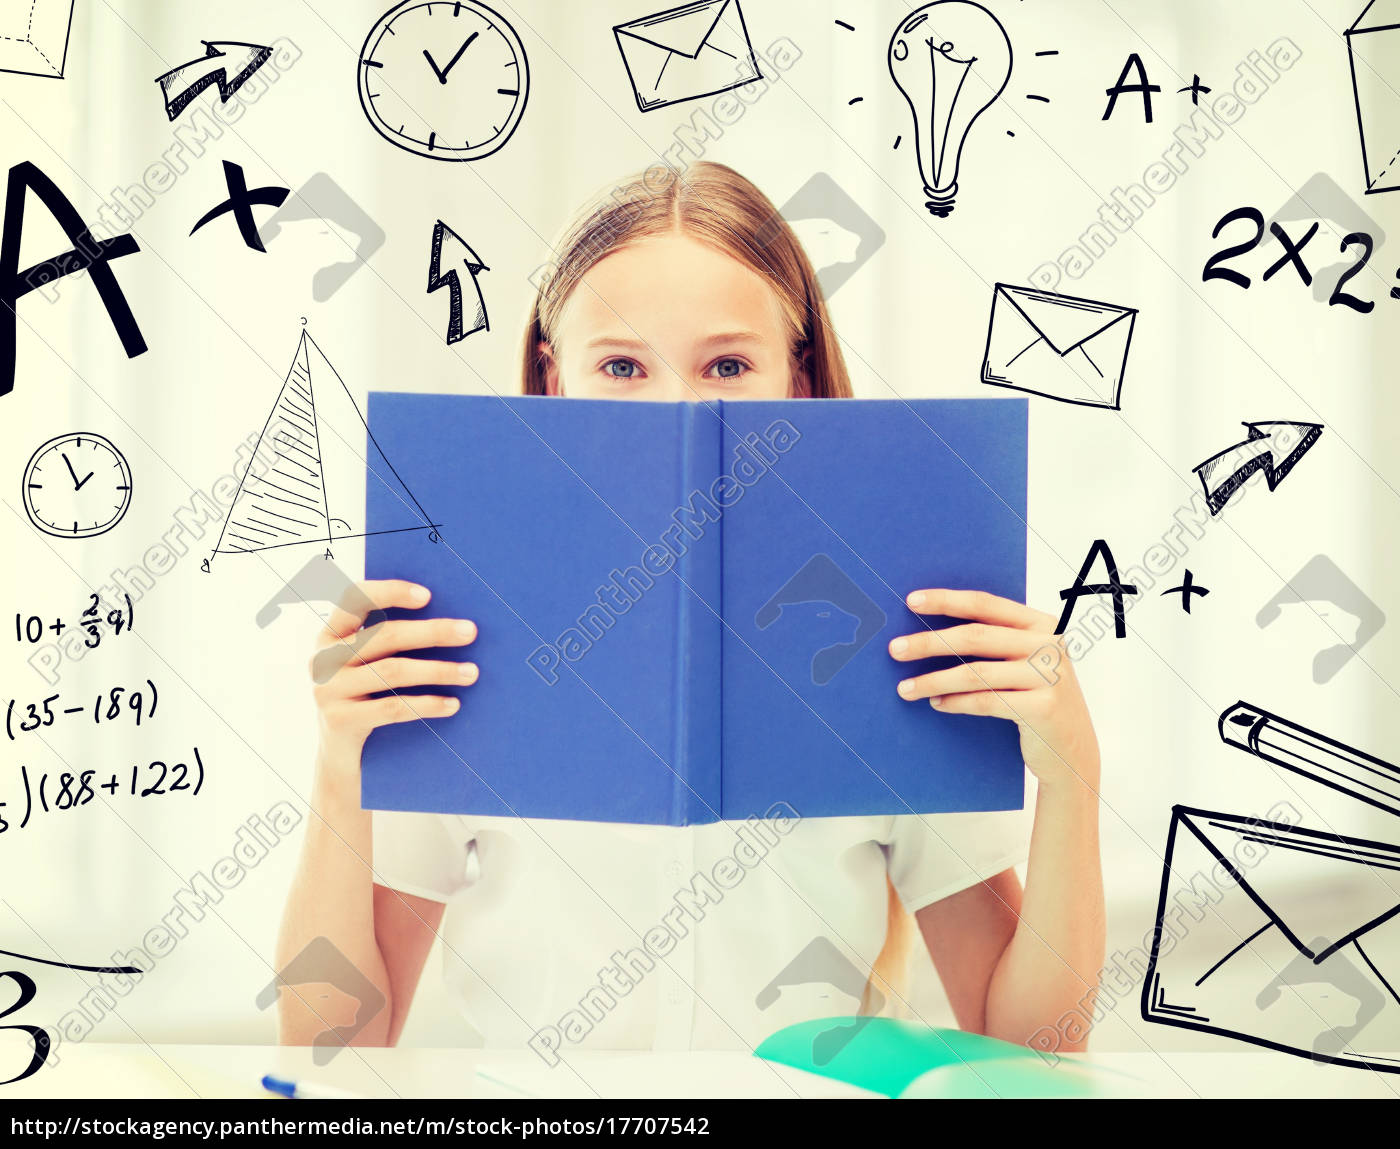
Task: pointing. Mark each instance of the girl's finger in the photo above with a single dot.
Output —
(971, 677)
(970, 638)
(406, 708)
(408, 634)
(986, 703)
(403, 673)
(372, 594)
(979, 605)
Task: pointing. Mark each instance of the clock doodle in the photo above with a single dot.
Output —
(76, 486)
(443, 79)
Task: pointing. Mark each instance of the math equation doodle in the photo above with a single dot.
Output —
(301, 478)
(28, 991)
(53, 792)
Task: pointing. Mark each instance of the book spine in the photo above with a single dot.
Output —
(698, 626)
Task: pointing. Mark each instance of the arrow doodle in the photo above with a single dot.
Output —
(1273, 447)
(222, 59)
(452, 279)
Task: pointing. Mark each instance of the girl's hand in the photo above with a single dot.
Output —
(1015, 667)
(353, 665)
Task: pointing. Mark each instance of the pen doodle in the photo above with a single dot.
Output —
(950, 60)
(62, 504)
(1186, 590)
(74, 789)
(685, 53)
(109, 705)
(240, 203)
(1371, 42)
(1314, 755)
(28, 991)
(1363, 242)
(1114, 587)
(945, 70)
(318, 440)
(1058, 346)
(1262, 931)
(1274, 448)
(1321, 198)
(34, 37)
(226, 63)
(447, 81)
(30, 628)
(458, 252)
(87, 254)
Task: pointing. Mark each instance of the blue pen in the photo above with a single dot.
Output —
(284, 1088)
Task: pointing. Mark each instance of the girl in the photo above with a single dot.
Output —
(560, 934)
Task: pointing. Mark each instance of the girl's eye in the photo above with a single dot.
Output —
(728, 368)
(622, 369)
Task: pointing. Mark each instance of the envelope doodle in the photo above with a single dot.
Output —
(1064, 348)
(1269, 963)
(687, 52)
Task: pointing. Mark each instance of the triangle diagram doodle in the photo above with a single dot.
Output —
(303, 482)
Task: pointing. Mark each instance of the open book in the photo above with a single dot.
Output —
(684, 608)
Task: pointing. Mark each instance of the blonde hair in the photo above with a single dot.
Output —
(714, 204)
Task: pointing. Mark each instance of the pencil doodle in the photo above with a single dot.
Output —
(838, 234)
(951, 60)
(448, 81)
(87, 254)
(240, 203)
(1371, 44)
(61, 504)
(1263, 930)
(1343, 607)
(1312, 754)
(352, 232)
(227, 64)
(296, 489)
(1272, 447)
(1262, 933)
(698, 49)
(447, 275)
(1058, 346)
(34, 36)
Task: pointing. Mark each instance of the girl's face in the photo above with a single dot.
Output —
(668, 318)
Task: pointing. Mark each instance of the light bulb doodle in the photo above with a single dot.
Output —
(951, 60)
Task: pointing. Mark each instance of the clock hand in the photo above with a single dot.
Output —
(77, 483)
(441, 73)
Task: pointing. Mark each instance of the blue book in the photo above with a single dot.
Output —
(685, 608)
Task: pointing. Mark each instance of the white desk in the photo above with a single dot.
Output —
(188, 1071)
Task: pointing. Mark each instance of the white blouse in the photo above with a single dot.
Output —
(564, 935)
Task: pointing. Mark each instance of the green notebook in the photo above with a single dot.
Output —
(908, 1059)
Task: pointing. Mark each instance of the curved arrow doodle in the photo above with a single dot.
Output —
(225, 62)
(458, 252)
(1272, 447)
